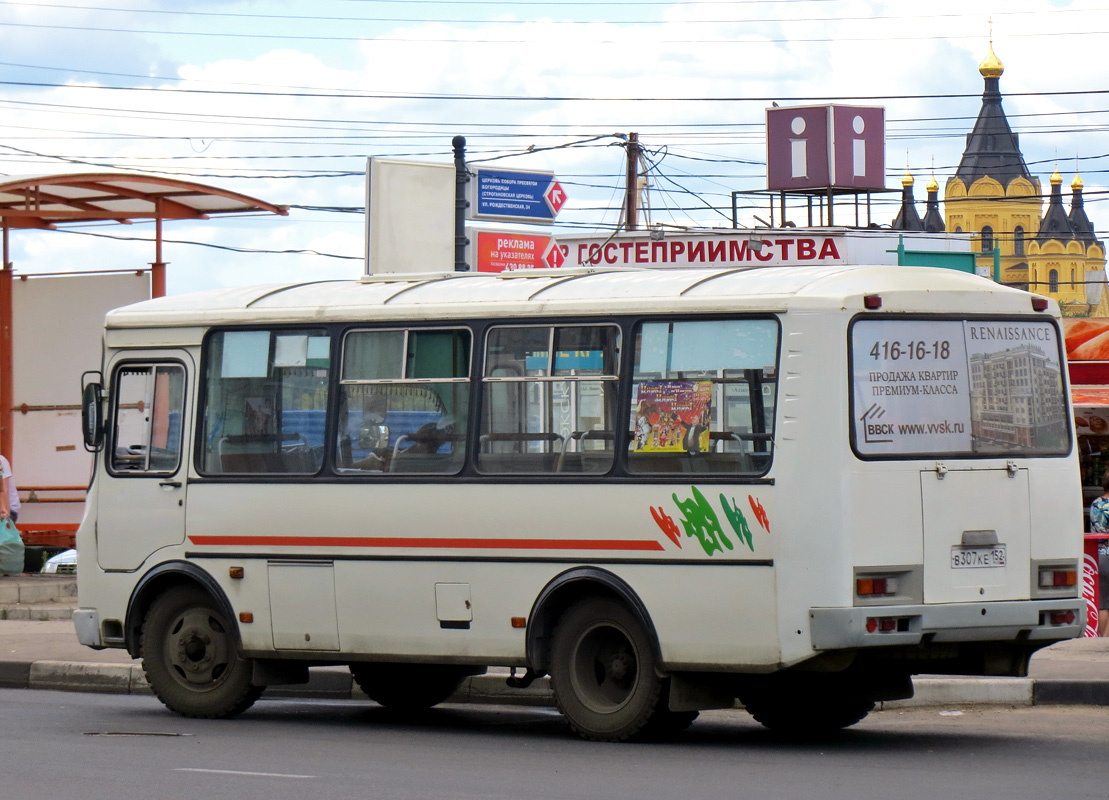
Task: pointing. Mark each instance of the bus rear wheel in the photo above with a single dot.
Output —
(807, 706)
(409, 687)
(190, 657)
(604, 677)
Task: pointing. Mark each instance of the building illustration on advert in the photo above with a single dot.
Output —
(1015, 398)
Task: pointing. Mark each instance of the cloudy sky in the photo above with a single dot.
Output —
(284, 101)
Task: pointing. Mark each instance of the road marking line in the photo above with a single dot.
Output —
(241, 772)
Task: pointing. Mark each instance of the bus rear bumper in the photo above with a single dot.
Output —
(883, 626)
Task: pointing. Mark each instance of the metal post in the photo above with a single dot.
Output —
(157, 266)
(461, 178)
(7, 356)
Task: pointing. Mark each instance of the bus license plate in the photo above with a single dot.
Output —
(977, 557)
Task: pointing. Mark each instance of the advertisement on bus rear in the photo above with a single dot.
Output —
(957, 387)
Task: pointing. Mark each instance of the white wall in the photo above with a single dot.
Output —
(56, 336)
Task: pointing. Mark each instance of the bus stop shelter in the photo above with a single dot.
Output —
(52, 202)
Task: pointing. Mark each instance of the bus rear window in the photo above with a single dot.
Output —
(957, 387)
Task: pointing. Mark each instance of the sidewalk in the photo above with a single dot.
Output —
(39, 650)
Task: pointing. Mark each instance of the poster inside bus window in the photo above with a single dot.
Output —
(673, 417)
(935, 386)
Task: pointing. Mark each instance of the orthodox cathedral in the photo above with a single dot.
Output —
(993, 195)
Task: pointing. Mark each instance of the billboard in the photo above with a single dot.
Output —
(821, 147)
(410, 207)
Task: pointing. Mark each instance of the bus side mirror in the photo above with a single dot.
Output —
(92, 423)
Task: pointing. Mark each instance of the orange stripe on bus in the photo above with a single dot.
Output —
(461, 544)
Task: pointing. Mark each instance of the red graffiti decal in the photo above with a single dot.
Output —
(760, 512)
(666, 522)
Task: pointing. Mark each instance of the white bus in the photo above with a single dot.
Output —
(665, 489)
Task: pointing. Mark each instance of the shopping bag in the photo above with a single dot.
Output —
(11, 548)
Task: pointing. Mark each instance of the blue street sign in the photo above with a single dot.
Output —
(516, 195)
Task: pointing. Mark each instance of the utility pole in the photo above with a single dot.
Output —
(631, 203)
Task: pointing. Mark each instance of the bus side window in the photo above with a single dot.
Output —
(266, 402)
(549, 399)
(404, 402)
(148, 401)
(703, 396)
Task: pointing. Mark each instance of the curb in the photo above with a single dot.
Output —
(336, 683)
(36, 589)
(72, 676)
(930, 691)
(39, 613)
(1071, 692)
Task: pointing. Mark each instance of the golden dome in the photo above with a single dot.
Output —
(907, 179)
(991, 66)
(932, 185)
(1056, 178)
(1076, 184)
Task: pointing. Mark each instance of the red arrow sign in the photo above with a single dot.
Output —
(555, 197)
(554, 257)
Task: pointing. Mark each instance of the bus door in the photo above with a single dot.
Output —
(143, 477)
(977, 534)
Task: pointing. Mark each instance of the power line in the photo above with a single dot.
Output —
(945, 36)
(545, 21)
(556, 98)
(208, 244)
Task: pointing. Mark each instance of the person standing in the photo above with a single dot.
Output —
(9, 495)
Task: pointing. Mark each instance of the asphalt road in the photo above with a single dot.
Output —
(91, 746)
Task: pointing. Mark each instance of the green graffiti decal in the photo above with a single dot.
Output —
(738, 521)
(701, 522)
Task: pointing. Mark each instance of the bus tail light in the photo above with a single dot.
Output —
(1061, 617)
(874, 587)
(887, 624)
(1058, 578)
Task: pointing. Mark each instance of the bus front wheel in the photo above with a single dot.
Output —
(190, 657)
(603, 673)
